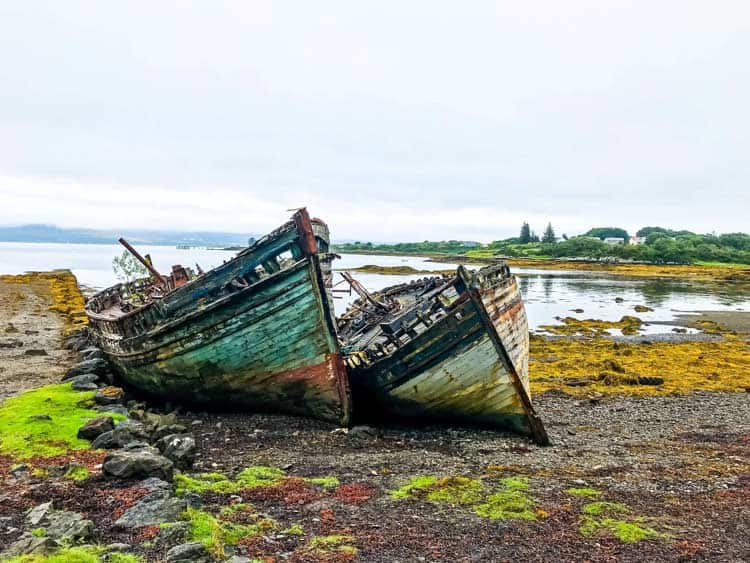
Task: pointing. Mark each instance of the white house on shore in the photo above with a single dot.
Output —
(637, 240)
(614, 241)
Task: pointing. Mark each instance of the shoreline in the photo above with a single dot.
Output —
(715, 272)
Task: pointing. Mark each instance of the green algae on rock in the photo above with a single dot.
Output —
(24, 434)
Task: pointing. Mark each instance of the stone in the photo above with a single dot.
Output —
(96, 427)
(96, 365)
(84, 387)
(166, 430)
(109, 396)
(138, 463)
(35, 352)
(238, 559)
(40, 417)
(29, 545)
(105, 441)
(92, 353)
(151, 512)
(181, 450)
(38, 513)
(117, 409)
(84, 378)
(362, 432)
(194, 552)
(194, 500)
(125, 433)
(173, 533)
(68, 526)
(154, 485)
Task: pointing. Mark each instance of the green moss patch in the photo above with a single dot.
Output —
(260, 476)
(327, 482)
(249, 478)
(44, 422)
(418, 483)
(507, 505)
(607, 517)
(627, 532)
(294, 530)
(89, 554)
(602, 507)
(322, 545)
(77, 473)
(511, 502)
(217, 533)
(515, 483)
(455, 490)
(204, 482)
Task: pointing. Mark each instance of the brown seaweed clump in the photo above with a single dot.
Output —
(585, 366)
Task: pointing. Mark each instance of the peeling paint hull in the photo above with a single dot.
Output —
(469, 366)
(269, 346)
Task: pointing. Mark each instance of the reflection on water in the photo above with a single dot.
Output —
(548, 293)
(551, 294)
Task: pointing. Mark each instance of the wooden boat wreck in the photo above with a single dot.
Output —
(257, 331)
(453, 348)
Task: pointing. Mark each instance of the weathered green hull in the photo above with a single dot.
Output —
(269, 346)
(470, 366)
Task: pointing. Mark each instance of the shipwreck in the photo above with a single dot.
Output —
(443, 348)
(257, 331)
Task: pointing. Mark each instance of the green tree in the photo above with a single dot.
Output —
(127, 268)
(549, 234)
(605, 232)
(525, 237)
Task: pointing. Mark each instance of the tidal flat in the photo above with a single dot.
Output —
(649, 460)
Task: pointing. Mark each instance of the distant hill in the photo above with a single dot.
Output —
(51, 233)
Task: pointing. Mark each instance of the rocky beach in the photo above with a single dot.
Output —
(650, 458)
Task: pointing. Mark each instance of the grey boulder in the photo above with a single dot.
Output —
(126, 432)
(96, 427)
(166, 430)
(173, 533)
(29, 545)
(94, 365)
(138, 463)
(179, 448)
(38, 513)
(150, 512)
(194, 552)
(68, 526)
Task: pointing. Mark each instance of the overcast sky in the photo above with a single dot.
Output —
(390, 120)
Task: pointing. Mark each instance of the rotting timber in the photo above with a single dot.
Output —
(453, 348)
(257, 331)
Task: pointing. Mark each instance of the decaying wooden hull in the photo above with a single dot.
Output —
(463, 358)
(267, 343)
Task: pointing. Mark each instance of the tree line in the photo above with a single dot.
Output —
(662, 246)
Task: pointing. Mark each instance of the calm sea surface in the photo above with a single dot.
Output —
(547, 293)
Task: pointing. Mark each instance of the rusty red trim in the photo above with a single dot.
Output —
(302, 223)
